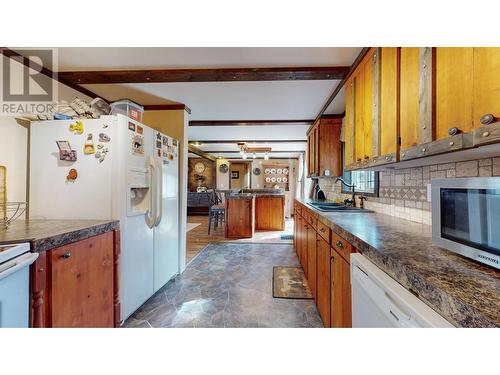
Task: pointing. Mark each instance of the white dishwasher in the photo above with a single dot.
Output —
(15, 260)
(379, 301)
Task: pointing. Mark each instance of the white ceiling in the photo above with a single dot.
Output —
(262, 100)
(71, 59)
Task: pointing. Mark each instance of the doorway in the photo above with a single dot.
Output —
(239, 175)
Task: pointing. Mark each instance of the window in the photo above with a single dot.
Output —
(365, 182)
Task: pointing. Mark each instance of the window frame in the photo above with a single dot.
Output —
(347, 176)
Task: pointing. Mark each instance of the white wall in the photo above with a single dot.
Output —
(222, 179)
(14, 147)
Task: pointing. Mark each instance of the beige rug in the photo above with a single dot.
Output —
(290, 282)
(191, 226)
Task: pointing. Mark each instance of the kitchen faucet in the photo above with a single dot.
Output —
(353, 200)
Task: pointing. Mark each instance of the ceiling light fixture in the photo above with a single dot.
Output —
(254, 155)
(266, 156)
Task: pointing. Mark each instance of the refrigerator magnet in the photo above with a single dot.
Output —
(65, 151)
(158, 144)
(72, 175)
(131, 126)
(158, 136)
(159, 153)
(88, 148)
(165, 141)
(77, 127)
(137, 145)
(104, 137)
(139, 129)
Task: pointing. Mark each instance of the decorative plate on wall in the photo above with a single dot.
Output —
(223, 168)
(285, 179)
(267, 170)
(279, 171)
(256, 171)
(285, 171)
(268, 179)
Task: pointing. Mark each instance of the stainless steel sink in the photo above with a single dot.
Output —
(335, 207)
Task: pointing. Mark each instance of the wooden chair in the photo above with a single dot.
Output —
(217, 209)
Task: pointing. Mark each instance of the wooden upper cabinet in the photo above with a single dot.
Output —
(349, 124)
(368, 101)
(388, 102)
(359, 118)
(486, 93)
(324, 148)
(409, 97)
(454, 85)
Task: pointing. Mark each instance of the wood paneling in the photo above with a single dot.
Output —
(206, 75)
(454, 85)
(323, 281)
(82, 281)
(409, 97)
(208, 173)
(270, 213)
(389, 99)
(311, 259)
(240, 218)
(486, 97)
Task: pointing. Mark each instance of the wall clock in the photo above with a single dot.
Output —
(199, 167)
(223, 168)
(256, 171)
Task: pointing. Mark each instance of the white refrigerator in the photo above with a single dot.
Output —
(123, 170)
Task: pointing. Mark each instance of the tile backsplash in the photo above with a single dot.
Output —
(403, 192)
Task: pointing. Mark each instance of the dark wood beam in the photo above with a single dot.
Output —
(251, 141)
(49, 73)
(207, 75)
(195, 150)
(248, 122)
(250, 152)
(259, 122)
(341, 84)
(167, 107)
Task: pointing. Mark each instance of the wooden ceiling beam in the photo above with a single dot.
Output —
(195, 150)
(257, 152)
(207, 75)
(167, 107)
(235, 141)
(305, 122)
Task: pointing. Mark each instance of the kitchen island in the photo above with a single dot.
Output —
(247, 212)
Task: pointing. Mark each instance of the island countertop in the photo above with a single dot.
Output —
(48, 234)
(464, 292)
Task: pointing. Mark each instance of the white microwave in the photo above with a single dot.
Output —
(466, 217)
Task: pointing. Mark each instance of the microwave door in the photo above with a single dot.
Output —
(476, 209)
(493, 217)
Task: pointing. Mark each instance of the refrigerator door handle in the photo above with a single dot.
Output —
(150, 214)
(159, 193)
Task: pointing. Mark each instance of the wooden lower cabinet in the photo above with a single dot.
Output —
(304, 227)
(340, 300)
(312, 238)
(240, 218)
(270, 213)
(76, 285)
(323, 281)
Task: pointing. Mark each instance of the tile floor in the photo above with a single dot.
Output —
(228, 285)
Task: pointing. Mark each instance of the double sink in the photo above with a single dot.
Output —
(327, 206)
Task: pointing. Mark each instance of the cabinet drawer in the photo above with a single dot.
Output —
(298, 207)
(324, 231)
(343, 247)
(311, 218)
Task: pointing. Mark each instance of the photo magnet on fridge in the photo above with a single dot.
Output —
(139, 129)
(137, 145)
(131, 126)
(65, 151)
(158, 144)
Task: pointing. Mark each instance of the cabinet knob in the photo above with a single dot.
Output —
(339, 244)
(367, 157)
(389, 157)
(359, 159)
(424, 149)
(322, 230)
(485, 134)
(66, 255)
(487, 119)
(453, 131)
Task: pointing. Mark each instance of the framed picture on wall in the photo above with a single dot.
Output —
(235, 175)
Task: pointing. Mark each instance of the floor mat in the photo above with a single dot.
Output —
(290, 282)
(287, 236)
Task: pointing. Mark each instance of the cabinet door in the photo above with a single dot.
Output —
(323, 281)
(303, 245)
(81, 288)
(389, 86)
(409, 97)
(349, 124)
(329, 147)
(311, 259)
(368, 106)
(454, 85)
(277, 213)
(486, 83)
(315, 150)
(359, 99)
(309, 154)
(340, 292)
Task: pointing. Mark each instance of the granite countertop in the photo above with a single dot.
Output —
(464, 292)
(252, 195)
(47, 234)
